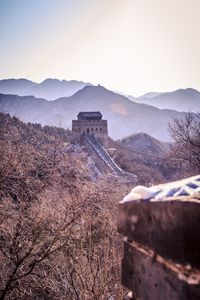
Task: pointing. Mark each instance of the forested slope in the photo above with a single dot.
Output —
(58, 236)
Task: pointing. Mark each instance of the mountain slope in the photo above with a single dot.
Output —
(16, 86)
(144, 143)
(52, 89)
(180, 100)
(49, 89)
(124, 116)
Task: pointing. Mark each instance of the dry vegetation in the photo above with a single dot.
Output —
(150, 169)
(182, 159)
(186, 134)
(58, 236)
(58, 231)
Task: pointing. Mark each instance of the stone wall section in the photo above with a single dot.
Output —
(90, 126)
(161, 248)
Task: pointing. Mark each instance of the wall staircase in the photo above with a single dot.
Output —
(104, 156)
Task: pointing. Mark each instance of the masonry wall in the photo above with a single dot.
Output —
(91, 126)
(161, 248)
(98, 161)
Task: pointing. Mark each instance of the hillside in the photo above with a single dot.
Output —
(146, 157)
(180, 100)
(124, 117)
(49, 89)
(52, 212)
(144, 143)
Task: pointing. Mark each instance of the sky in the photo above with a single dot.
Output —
(131, 46)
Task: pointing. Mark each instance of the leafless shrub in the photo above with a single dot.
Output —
(58, 236)
(186, 134)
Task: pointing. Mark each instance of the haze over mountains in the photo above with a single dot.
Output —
(180, 100)
(125, 117)
(143, 143)
(52, 89)
(49, 89)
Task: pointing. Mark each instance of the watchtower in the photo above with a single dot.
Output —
(90, 123)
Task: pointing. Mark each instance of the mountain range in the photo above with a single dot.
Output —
(187, 100)
(49, 89)
(124, 116)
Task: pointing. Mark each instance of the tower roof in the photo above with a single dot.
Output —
(89, 115)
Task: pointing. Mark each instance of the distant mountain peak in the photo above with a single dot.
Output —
(151, 95)
(182, 100)
(49, 88)
(140, 135)
(95, 88)
(51, 80)
(143, 142)
(191, 91)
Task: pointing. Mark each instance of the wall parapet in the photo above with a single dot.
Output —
(161, 247)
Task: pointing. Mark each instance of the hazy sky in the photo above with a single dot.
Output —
(132, 46)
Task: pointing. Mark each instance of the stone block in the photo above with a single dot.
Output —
(161, 248)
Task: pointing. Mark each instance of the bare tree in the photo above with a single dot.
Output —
(29, 236)
(186, 134)
(60, 246)
(58, 236)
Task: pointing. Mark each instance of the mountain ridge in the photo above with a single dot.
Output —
(124, 116)
(143, 142)
(49, 88)
(181, 100)
(187, 99)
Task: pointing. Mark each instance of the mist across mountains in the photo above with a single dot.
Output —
(49, 89)
(180, 100)
(124, 116)
(144, 143)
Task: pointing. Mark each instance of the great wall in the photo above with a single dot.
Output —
(160, 226)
